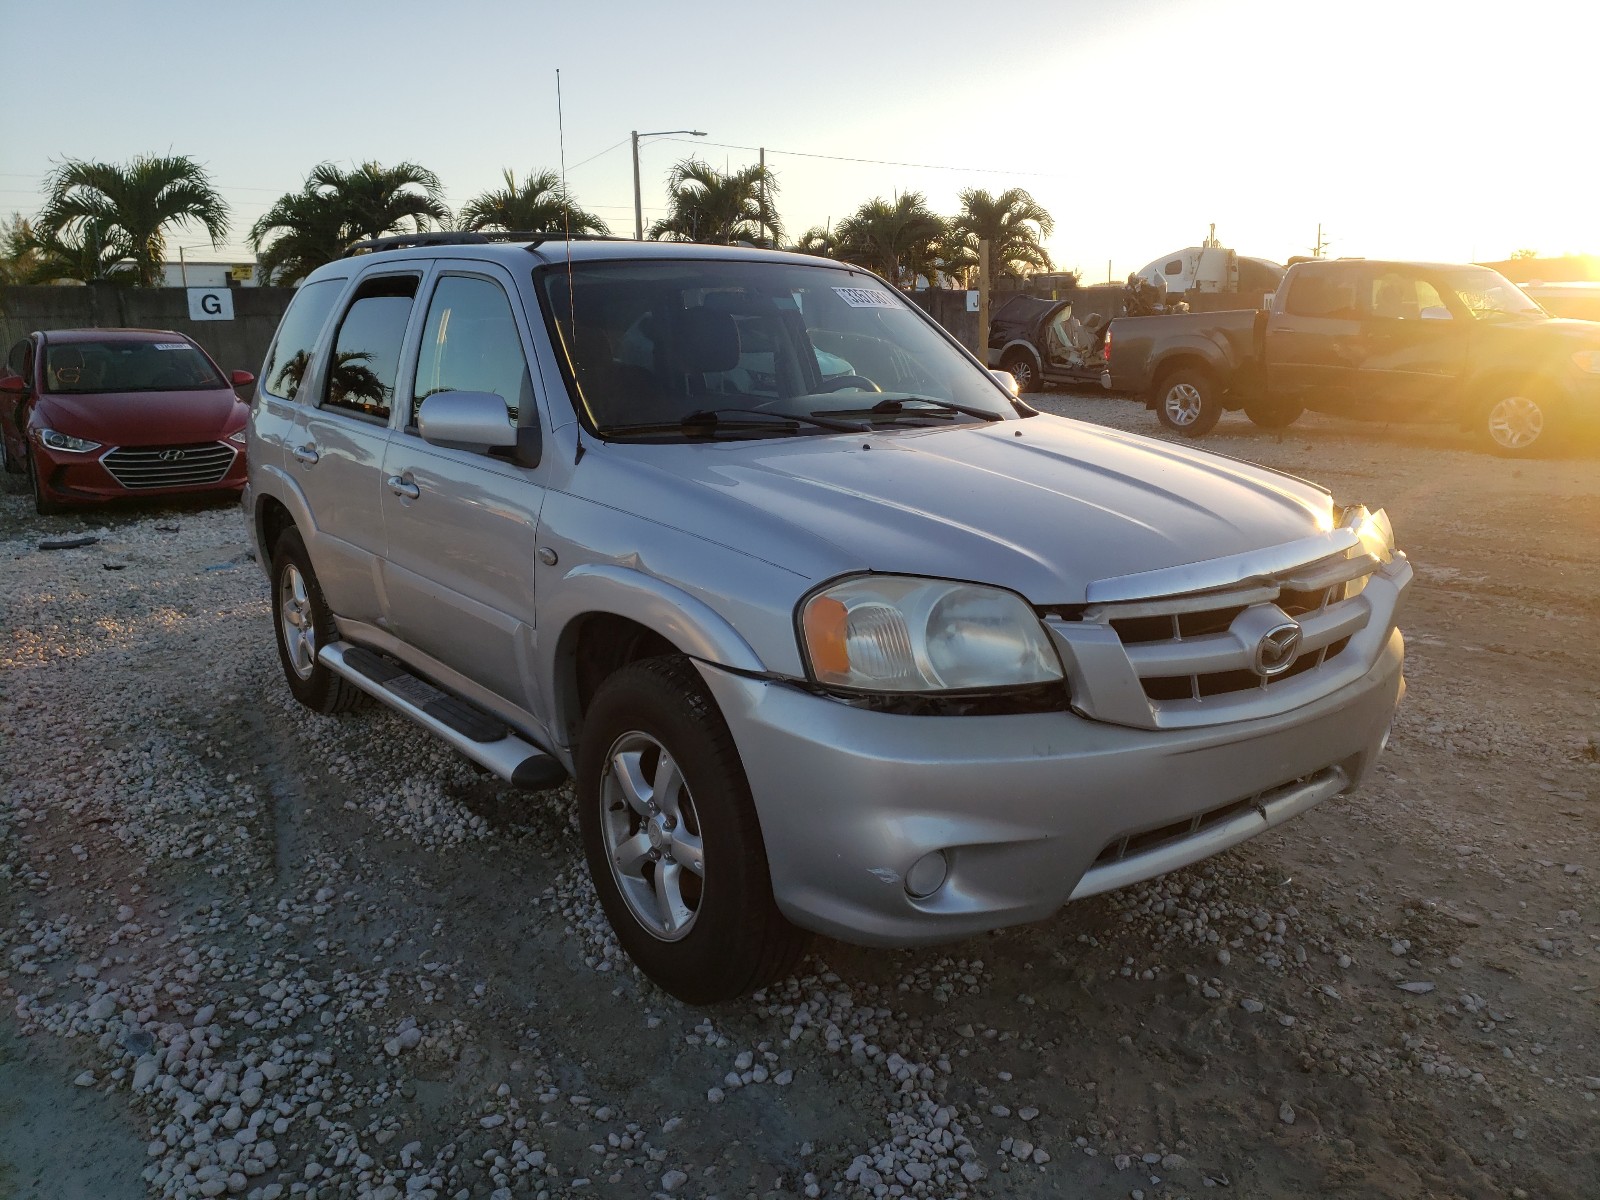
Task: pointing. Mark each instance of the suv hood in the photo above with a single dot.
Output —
(1043, 506)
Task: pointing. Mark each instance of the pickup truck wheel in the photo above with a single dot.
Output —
(1273, 416)
(1188, 403)
(672, 840)
(301, 617)
(1514, 423)
(1022, 370)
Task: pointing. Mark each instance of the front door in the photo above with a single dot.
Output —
(336, 448)
(461, 523)
(1314, 341)
(1414, 348)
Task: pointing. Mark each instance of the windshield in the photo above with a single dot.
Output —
(770, 348)
(121, 366)
(1487, 294)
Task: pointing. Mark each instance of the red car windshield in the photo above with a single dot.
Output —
(121, 366)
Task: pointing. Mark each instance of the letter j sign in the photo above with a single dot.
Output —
(210, 304)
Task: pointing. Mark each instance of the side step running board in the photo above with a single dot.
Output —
(483, 738)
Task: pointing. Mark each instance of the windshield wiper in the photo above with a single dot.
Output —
(713, 417)
(896, 407)
(709, 420)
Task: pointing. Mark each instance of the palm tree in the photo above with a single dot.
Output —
(134, 205)
(817, 241)
(539, 204)
(1014, 224)
(336, 207)
(705, 205)
(312, 229)
(899, 239)
(379, 200)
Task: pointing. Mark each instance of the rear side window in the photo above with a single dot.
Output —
(297, 337)
(471, 344)
(1325, 292)
(366, 350)
(21, 358)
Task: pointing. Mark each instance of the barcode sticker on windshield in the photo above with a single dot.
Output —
(866, 297)
(172, 345)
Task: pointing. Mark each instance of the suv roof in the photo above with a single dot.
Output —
(554, 248)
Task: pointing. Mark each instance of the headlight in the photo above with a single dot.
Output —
(240, 437)
(1373, 528)
(1587, 360)
(62, 441)
(887, 633)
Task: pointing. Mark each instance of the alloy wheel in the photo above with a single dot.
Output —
(1183, 403)
(1516, 422)
(296, 623)
(651, 833)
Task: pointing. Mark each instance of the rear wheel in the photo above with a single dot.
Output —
(1023, 370)
(304, 624)
(1516, 421)
(672, 839)
(1189, 402)
(1267, 415)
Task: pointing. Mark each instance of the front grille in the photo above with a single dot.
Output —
(1180, 659)
(144, 467)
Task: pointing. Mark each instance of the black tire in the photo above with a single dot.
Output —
(42, 504)
(1023, 369)
(13, 471)
(1514, 421)
(1266, 415)
(730, 937)
(1188, 402)
(296, 596)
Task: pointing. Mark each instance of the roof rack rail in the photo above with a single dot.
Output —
(446, 237)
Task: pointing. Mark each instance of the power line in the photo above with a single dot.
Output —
(877, 162)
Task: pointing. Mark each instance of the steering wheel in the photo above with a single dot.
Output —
(838, 384)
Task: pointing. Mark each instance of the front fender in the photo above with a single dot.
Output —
(688, 623)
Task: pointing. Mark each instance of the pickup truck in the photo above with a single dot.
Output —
(1391, 341)
(831, 631)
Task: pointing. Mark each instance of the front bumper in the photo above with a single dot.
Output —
(69, 478)
(1023, 806)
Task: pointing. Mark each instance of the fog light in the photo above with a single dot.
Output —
(927, 874)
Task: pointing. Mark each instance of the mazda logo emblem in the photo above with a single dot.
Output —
(172, 456)
(1276, 651)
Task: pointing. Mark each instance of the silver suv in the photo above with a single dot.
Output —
(833, 632)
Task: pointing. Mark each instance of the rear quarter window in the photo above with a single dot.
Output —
(1325, 292)
(290, 356)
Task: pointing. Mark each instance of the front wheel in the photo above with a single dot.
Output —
(43, 504)
(672, 840)
(1515, 422)
(1189, 403)
(1022, 369)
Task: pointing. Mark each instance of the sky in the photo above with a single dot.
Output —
(1447, 131)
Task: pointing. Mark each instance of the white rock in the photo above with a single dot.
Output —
(1286, 1113)
(103, 1007)
(86, 1079)
(671, 1181)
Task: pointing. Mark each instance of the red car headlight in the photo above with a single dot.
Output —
(52, 440)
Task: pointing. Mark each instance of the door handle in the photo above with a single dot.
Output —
(403, 487)
(306, 454)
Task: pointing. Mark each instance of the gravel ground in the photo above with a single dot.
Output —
(246, 950)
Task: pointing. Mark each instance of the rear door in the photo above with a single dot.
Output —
(336, 446)
(461, 523)
(1314, 340)
(1414, 347)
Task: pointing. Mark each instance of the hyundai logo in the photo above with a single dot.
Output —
(1276, 651)
(171, 456)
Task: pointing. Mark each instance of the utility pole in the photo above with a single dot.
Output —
(1316, 251)
(183, 268)
(763, 195)
(983, 302)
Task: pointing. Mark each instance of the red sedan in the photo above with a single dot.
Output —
(104, 414)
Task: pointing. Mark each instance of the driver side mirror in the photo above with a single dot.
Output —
(1436, 312)
(241, 379)
(15, 385)
(477, 421)
(1006, 380)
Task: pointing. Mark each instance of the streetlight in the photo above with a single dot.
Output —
(638, 208)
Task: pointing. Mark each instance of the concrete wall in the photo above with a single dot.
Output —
(239, 344)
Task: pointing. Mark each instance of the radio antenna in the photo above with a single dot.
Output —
(572, 295)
